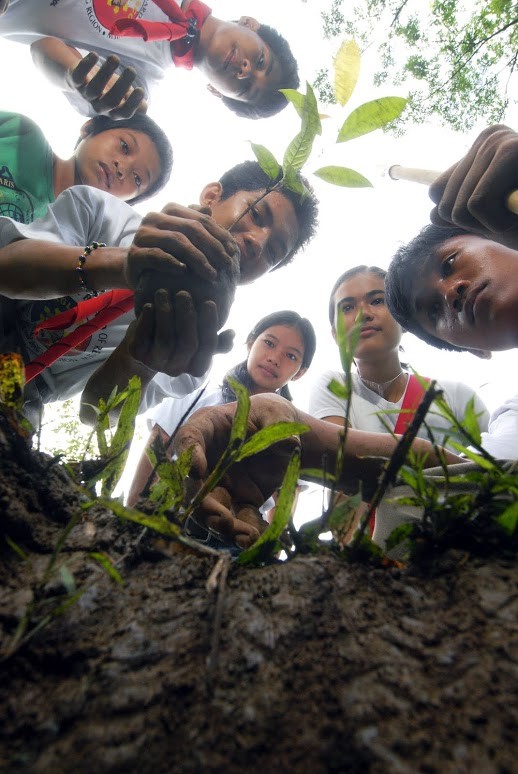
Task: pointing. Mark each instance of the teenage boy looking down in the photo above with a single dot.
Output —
(174, 334)
(245, 62)
(457, 288)
(130, 158)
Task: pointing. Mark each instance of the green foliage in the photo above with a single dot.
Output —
(455, 59)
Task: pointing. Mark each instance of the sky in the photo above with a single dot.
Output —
(355, 225)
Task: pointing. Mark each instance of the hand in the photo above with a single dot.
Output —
(240, 524)
(108, 93)
(175, 337)
(179, 239)
(472, 193)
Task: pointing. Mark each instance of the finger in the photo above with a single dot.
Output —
(120, 89)
(140, 334)
(225, 341)
(186, 323)
(140, 260)
(202, 224)
(79, 73)
(95, 87)
(204, 210)
(207, 324)
(131, 104)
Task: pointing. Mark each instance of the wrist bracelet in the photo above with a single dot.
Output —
(81, 271)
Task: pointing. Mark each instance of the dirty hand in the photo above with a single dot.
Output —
(472, 193)
(175, 336)
(107, 92)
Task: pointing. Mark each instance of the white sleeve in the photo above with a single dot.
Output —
(78, 216)
(501, 439)
(458, 396)
(163, 386)
(322, 402)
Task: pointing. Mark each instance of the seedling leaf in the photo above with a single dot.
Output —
(343, 176)
(370, 116)
(347, 70)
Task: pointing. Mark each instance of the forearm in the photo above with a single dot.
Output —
(116, 371)
(55, 58)
(34, 269)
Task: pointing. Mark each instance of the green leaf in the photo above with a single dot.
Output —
(347, 69)
(267, 436)
(299, 149)
(347, 339)
(266, 544)
(119, 447)
(16, 548)
(338, 388)
(239, 424)
(107, 565)
(157, 523)
(342, 513)
(483, 462)
(267, 161)
(400, 535)
(370, 116)
(470, 421)
(67, 579)
(347, 178)
(508, 520)
(317, 473)
(296, 98)
(291, 181)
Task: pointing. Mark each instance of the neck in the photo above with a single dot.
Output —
(386, 378)
(210, 26)
(64, 174)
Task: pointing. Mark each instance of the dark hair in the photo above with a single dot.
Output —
(140, 122)
(248, 176)
(410, 262)
(363, 269)
(285, 317)
(274, 101)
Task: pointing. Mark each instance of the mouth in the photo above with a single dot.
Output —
(105, 175)
(470, 304)
(368, 330)
(268, 372)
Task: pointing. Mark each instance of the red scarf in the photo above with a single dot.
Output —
(183, 27)
(106, 307)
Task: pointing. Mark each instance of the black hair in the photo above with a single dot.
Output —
(410, 262)
(363, 269)
(248, 176)
(285, 317)
(274, 101)
(140, 122)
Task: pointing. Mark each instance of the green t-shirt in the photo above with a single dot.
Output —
(26, 169)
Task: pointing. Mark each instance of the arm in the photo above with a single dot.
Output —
(472, 193)
(106, 91)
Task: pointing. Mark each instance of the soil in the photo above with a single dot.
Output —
(317, 665)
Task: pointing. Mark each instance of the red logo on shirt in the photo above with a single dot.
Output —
(107, 12)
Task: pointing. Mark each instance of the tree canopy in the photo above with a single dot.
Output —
(455, 59)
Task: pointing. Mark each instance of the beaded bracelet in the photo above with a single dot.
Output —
(81, 271)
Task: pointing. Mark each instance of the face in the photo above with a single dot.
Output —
(468, 294)
(275, 357)
(265, 235)
(379, 333)
(124, 162)
(238, 63)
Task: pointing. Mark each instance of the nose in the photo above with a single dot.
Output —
(118, 170)
(257, 241)
(366, 310)
(455, 293)
(244, 70)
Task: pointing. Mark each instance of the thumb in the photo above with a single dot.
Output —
(225, 341)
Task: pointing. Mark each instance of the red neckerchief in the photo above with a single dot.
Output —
(184, 27)
(106, 308)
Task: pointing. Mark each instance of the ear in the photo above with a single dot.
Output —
(214, 91)
(211, 194)
(86, 129)
(251, 23)
(483, 354)
(333, 332)
(299, 373)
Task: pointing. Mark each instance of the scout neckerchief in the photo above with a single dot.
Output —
(183, 26)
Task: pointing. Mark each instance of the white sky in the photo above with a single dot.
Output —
(356, 226)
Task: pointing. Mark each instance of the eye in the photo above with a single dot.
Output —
(447, 266)
(378, 301)
(292, 356)
(261, 61)
(124, 147)
(346, 307)
(256, 215)
(138, 180)
(269, 343)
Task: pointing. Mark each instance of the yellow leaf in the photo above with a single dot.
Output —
(12, 380)
(347, 70)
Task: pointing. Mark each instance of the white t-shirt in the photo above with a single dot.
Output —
(501, 439)
(79, 216)
(366, 404)
(85, 25)
(169, 413)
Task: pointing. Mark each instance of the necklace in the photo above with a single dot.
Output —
(380, 387)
